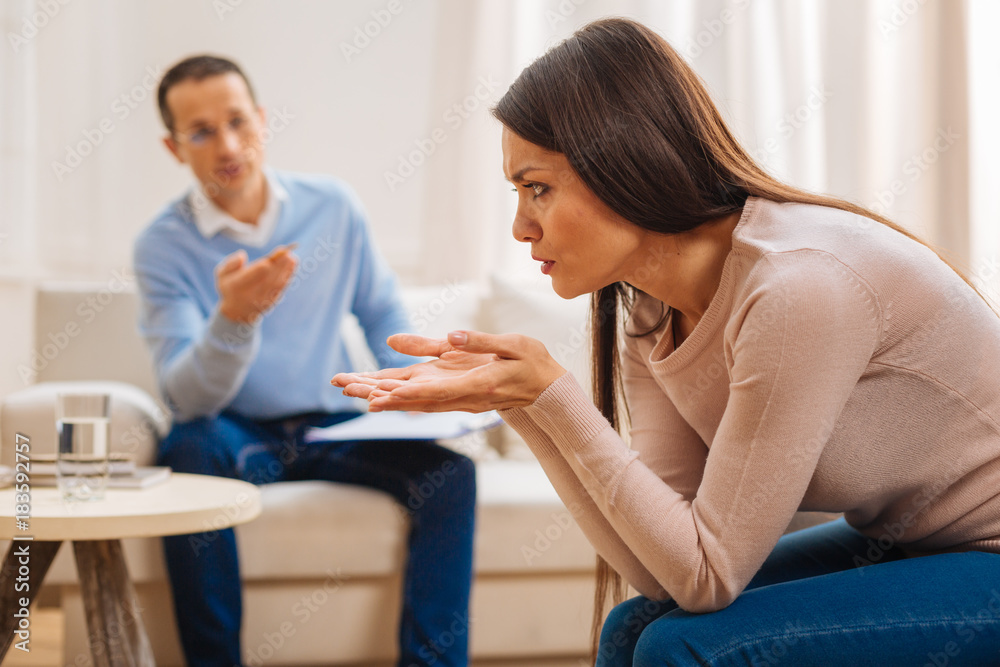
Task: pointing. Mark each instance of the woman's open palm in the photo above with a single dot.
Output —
(472, 372)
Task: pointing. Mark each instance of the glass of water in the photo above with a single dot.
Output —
(83, 425)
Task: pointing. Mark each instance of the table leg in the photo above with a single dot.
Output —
(117, 635)
(40, 556)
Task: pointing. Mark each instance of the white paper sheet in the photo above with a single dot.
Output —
(405, 426)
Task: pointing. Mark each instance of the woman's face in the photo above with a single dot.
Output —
(582, 244)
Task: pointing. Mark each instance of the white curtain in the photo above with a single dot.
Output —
(18, 131)
(984, 142)
(869, 100)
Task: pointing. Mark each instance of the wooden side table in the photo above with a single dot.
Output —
(183, 504)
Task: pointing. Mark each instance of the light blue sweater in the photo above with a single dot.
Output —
(281, 365)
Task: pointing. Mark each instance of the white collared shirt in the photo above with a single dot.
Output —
(212, 220)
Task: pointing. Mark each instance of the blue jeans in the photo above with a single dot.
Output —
(811, 605)
(434, 485)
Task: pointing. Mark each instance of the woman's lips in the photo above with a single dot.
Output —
(547, 264)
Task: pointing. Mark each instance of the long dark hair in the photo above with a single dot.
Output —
(639, 127)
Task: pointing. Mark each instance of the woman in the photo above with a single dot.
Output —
(780, 351)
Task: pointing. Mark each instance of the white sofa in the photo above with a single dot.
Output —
(321, 566)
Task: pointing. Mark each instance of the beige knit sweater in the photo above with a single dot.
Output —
(840, 367)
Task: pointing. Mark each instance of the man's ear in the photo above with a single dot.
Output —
(174, 149)
(262, 117)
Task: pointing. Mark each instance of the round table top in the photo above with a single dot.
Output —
(183, 504)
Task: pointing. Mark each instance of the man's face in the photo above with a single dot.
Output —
(217, 131)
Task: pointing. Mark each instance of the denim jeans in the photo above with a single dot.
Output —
(435, 486)
(827, 596)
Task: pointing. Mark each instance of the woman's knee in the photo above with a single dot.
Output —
(674, 641)
(624, 626)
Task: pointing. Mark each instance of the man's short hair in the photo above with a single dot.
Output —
(197, 68)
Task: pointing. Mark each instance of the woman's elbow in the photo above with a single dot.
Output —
(706, 598)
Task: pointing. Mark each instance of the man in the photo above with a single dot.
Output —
(245, 346)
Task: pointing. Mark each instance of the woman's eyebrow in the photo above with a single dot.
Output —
(520, 174)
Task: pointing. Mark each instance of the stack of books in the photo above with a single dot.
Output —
(123, 473)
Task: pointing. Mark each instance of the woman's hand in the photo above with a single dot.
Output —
(473, 372)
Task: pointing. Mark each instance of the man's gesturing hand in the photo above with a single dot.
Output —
(473, 372)
(247, 291)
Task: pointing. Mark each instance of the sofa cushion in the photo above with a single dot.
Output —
(522, 526)
(89, 331)
(433, 311)
(319, 527)
(137, 422)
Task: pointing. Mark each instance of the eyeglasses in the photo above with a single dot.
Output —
(239, 125)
